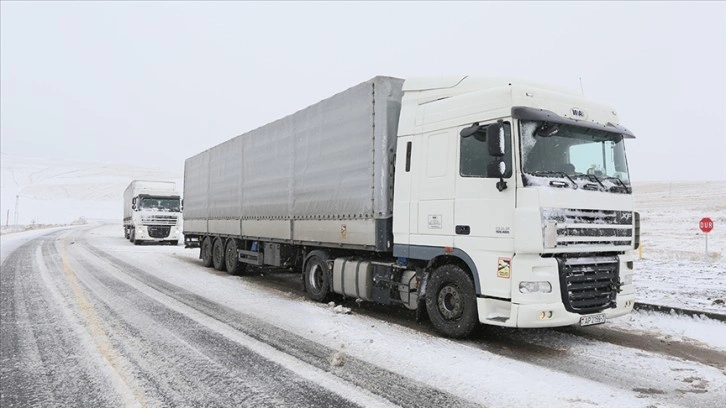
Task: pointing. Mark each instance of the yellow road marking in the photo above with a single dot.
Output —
(94, 326)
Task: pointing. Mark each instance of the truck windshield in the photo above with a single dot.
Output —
(581, 157)
(160, 204)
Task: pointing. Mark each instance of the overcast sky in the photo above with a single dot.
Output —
(151, 84)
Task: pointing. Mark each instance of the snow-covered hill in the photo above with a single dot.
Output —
(59, 192)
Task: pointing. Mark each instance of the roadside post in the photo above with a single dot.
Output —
(706, 225)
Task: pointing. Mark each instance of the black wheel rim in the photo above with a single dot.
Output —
(450, 302)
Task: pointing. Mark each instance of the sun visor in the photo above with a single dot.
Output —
(527, 113)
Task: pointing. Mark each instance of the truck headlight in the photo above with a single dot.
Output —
(535, 287)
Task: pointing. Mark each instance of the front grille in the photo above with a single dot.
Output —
(585, 228)
(589, 284)
(158, 231)
(158, 219)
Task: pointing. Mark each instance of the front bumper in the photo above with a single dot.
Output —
(155, 233)
(530, 310)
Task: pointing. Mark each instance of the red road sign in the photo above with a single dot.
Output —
(706, 224)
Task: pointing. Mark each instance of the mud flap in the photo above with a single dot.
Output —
(422, 314)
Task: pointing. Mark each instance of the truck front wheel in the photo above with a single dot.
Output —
(317, 282)
(206, 252)
(218, 254)
(132, 237)
(451, 302)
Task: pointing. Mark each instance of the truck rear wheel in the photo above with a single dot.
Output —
(206, 252)
(317, 280)
(231, 260)
(218, 254)
(126, 233)
(451, 302)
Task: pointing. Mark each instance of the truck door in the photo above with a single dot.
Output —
(433, 190)
(483, 215)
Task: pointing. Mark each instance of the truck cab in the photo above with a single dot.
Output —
(526, 192)
(152, 212)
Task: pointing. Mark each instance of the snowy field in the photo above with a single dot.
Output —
(674, 270)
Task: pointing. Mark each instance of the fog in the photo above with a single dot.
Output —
(152, 83)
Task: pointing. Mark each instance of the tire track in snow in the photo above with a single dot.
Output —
(92, 323)
(398, 389)
(43, 361)
(182, 357)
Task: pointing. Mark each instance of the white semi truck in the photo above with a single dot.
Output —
(470, 200)
(152, 212)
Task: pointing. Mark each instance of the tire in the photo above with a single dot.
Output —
(231, 260)
(132, 237)
(126, 233)
(218, 254)
(206, 252)
(317, 278)
(451, 302)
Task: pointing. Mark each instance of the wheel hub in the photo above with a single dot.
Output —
(450, 303)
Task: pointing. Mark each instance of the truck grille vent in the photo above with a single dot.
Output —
(158, 219)
(158, 231)
(589, 285)
(585, 228)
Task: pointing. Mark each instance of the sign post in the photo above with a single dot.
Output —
(706, 225)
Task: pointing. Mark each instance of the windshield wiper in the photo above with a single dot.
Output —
(621, 182)
(555, 173)
(591, 177)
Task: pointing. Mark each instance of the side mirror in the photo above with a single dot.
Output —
(495, 139)
(133, 203)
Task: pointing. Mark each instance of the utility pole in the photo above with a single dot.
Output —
(16, 209)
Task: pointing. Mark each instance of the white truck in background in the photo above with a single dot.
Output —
(152, 212)
(470, 200)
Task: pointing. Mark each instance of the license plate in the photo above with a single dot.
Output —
(589, 320)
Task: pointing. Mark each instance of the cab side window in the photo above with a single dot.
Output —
(474, 156)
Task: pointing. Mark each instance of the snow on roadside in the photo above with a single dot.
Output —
(697, 330)
(11, 242)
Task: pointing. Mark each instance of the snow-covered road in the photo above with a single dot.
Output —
(90, 320)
